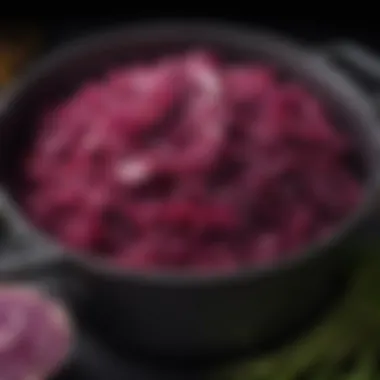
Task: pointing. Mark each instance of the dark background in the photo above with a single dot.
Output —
(316, 29)
(312, 22)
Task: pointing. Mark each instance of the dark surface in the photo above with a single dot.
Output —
(93, 364)
(92, 361)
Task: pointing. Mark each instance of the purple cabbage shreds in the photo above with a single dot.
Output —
(189, 163)
(35, 334)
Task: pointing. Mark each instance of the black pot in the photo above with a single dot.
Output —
(184, 315)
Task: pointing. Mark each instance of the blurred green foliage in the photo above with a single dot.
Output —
(345, 346)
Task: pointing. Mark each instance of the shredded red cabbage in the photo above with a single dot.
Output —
(189, 163)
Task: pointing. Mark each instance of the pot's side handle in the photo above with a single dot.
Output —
(17, 235)
(25, 257)
(58, 277)
(360, 62)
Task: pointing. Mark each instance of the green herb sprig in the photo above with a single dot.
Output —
(345, 346)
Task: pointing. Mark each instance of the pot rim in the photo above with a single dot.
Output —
(180, 30)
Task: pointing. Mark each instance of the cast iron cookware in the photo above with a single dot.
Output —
(171, 314)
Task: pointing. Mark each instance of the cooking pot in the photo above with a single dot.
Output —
(172, 314)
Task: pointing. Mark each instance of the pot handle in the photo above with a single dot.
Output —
(361, 64)
(56, 276)
(17, 238)
(358, 61)
(27, 258)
